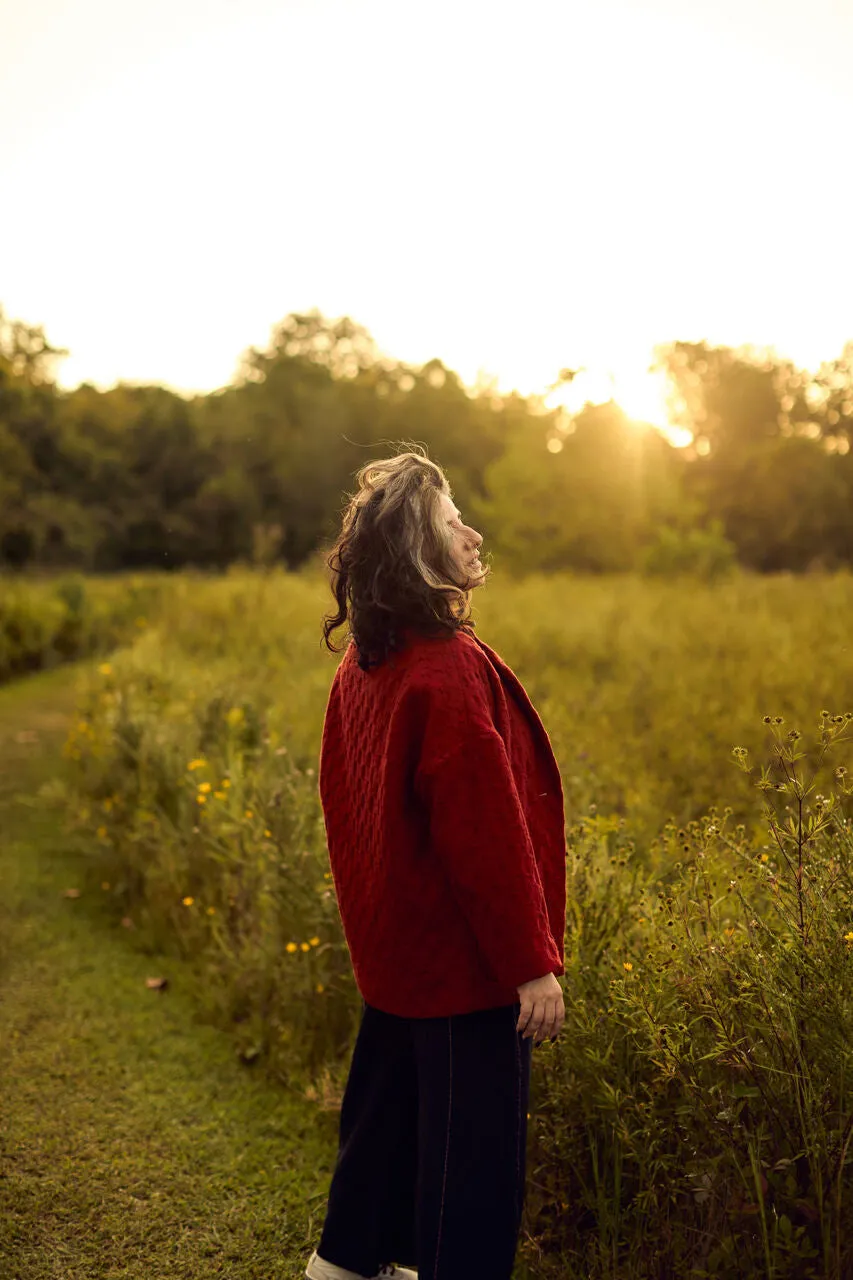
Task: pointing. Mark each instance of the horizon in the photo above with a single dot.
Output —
(586, 185)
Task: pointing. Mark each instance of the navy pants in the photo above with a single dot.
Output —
(431, 1163)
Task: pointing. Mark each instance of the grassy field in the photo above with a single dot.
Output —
(694, 1119)
(54, 619)
(134, 1142)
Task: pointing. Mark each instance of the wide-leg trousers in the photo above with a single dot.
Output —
(431, 1163)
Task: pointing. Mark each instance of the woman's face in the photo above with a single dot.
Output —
(465, 546)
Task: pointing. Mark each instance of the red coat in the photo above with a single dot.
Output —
(443, 809)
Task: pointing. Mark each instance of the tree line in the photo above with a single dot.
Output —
(139, 476)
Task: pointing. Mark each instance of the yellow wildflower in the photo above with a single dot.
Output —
(105, 669)
(102, 831)
(108, 804)
(235, 716)
(211, 911)
(627, 965)
(268, 834)
(728, 932)
(249, 813)
(305, 946)
(201, 798)
(196, 764)
(315, 942)
(291, 946)
(226, 783)
(204, 787)
(188, 901)
(220, 795)
(848, 937)
(320, 988)
(764, 857)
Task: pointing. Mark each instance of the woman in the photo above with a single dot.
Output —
(443, 809)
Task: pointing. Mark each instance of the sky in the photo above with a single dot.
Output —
(512, 188)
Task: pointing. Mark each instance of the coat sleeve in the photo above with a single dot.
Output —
(479, 834)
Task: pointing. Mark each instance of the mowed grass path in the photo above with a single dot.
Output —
(133, 1143)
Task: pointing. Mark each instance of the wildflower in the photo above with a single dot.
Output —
(764, 857)
(627, 965)
(249, 814)
(848, 937)
(291, 946)
(196, 764)
(188, 901)
(315, 942)
(268, 834)
(320, 988)
(211, 911)
(102, 831)
(220, 795)
(728, 932)
(235, 716)
(105, 669)
(641, 920)
(304, 946)
(201, 798)
(108, 804)
(204, 787)
(226, 783)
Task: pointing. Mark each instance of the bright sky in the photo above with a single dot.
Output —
(512, 187)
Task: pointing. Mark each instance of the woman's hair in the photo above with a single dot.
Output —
(391, 566)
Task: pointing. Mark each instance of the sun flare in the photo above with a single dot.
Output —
(642, 394)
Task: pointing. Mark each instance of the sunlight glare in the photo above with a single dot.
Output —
(640, 393)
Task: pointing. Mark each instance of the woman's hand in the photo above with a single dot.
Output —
(543, 1010)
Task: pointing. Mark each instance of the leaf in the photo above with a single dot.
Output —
(808, 1210)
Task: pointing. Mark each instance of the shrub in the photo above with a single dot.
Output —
(702, 553)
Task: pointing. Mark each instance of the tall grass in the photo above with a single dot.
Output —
(44, 622)
(693, 1118)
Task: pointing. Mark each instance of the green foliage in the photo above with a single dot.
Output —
(257, 471)
(43, 623)
(706, 554)
(692, 1118)
(711, 1012)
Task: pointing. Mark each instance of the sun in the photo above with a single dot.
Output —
(640, 393)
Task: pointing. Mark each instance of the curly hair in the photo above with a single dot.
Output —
(391, 566)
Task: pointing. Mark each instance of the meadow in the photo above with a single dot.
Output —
(48, 620)
(694, 1118)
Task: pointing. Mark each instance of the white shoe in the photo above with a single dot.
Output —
(319, 1269)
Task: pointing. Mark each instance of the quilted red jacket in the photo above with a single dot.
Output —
(443, 809)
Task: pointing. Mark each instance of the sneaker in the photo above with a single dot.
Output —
(319, 1269)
